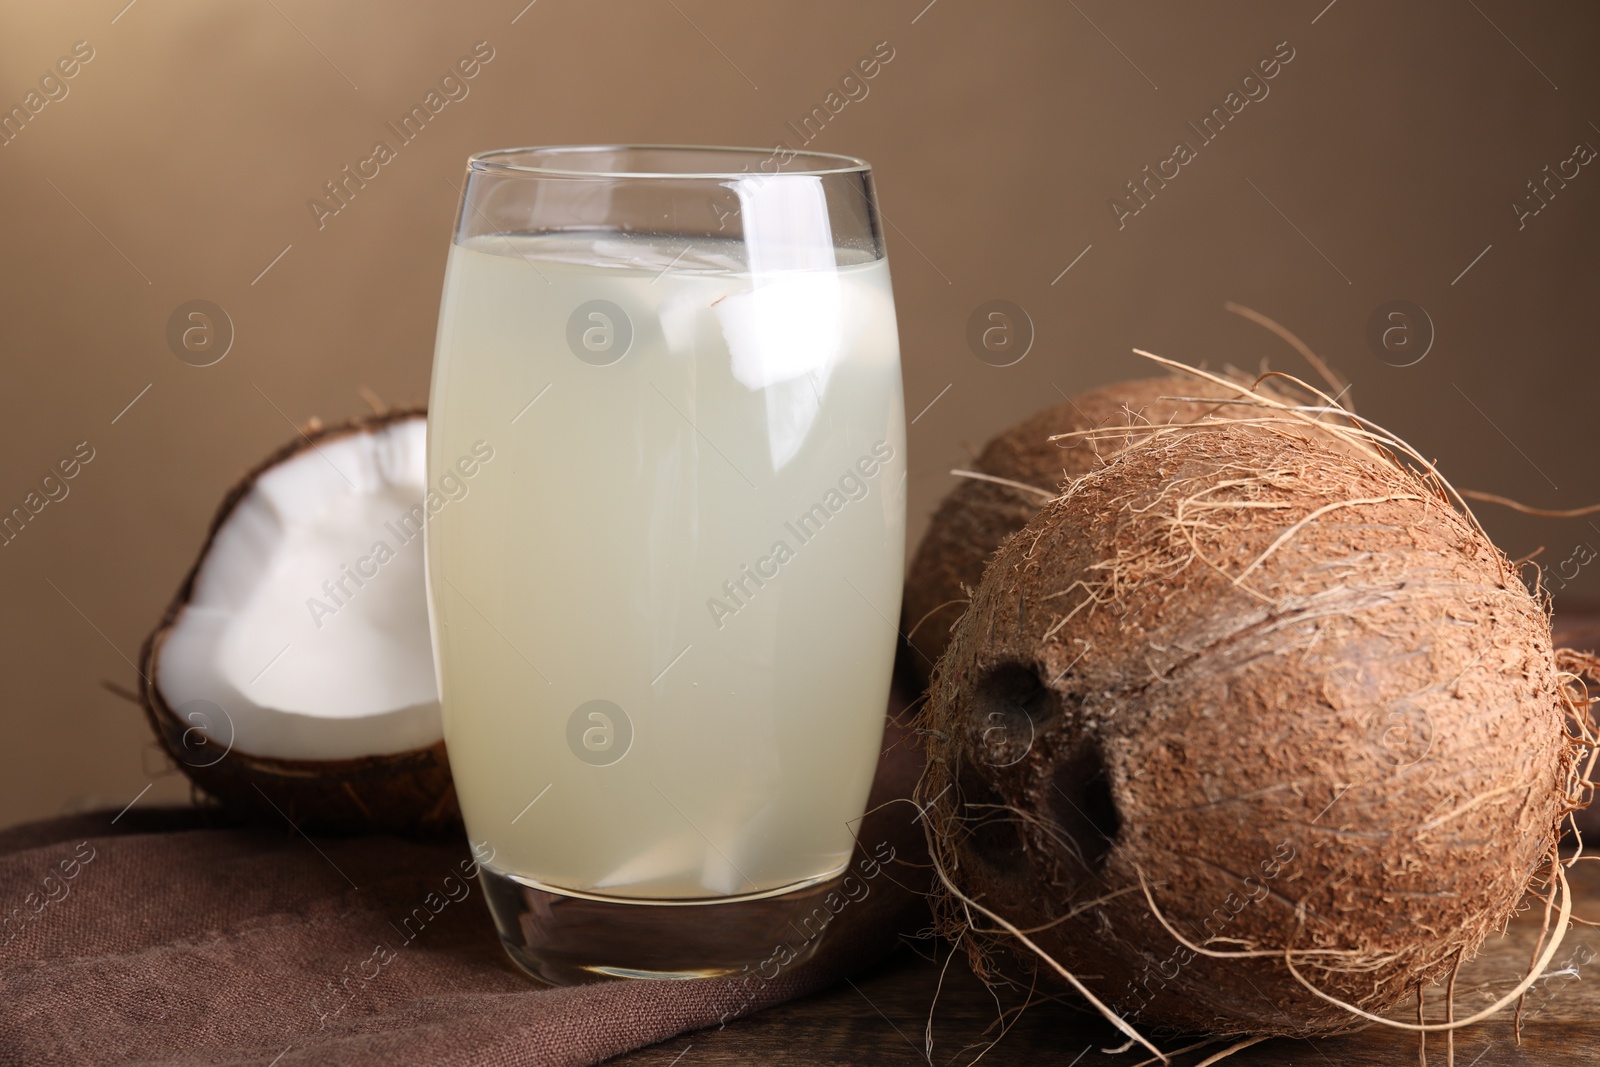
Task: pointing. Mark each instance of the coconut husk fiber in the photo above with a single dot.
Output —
(1242, 724)
(979, 513)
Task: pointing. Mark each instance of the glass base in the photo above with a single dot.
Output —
(564, 938)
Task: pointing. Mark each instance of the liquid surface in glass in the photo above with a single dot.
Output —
(663, 606)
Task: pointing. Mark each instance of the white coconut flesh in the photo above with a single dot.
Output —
(308, 622)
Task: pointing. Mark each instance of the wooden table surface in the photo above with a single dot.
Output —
(881, 1017)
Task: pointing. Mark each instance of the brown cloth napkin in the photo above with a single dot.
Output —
(162, 939)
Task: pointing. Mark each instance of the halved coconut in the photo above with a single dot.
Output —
(293, 671)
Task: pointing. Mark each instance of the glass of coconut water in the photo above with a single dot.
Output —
(662, 612)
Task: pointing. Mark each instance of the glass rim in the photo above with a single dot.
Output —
(498, 161)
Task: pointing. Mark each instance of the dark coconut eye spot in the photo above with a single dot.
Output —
(990, 825)
(1010, 707)
(1084, 807)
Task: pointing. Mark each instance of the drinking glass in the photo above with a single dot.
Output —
(665, 537)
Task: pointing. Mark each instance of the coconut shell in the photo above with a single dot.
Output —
(976, 516)
(1285, 690)
(398, 792)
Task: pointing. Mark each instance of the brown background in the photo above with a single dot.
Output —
(185, 153)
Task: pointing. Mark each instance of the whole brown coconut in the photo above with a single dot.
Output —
(977, 515)
(1270, 696)
(406, 791)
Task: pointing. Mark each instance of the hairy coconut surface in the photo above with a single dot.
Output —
(977, 515)
(1239, 692)
(404, 790)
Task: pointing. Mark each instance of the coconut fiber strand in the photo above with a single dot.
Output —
(162, 939)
